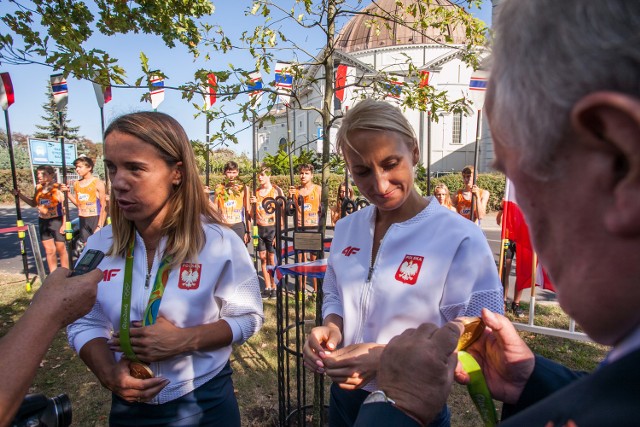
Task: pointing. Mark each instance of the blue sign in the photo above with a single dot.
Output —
(49, 153)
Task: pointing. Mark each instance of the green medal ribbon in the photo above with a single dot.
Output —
(151, 312)
(478, 389)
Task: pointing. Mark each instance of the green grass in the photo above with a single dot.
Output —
(254, 363)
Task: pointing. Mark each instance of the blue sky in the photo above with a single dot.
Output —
(30, 81)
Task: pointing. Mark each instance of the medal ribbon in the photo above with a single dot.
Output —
(478, 389)
(151, 312)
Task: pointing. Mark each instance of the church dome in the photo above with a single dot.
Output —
(358, 35)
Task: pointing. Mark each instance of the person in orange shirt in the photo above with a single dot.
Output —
(463, 198)
(266, 227)
(309, 211)
(48, 198)
(231, 199)
(90, 198)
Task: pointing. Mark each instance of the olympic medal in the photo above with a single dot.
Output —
(473, 329)
(140, 371)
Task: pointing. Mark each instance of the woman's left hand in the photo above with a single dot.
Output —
(153, 343)
(353, 366)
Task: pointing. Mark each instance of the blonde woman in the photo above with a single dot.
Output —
(400, 262)
(178, 289)
(443, 196)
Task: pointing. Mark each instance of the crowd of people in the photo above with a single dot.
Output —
(391, 315)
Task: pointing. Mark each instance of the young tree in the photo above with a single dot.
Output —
(51, 130)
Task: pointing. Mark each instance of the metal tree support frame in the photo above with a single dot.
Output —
(301, 394)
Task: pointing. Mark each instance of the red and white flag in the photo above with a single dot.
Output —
(6, 91)
(60, 91)
(157, 91)
(514, 228)
(103, 94)
(210, 90)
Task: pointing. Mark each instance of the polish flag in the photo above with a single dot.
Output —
(514, 228)
(6, 91)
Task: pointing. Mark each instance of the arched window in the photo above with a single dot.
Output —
(282, 144)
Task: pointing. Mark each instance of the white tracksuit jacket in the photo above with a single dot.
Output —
(222, 284)
(433, 268)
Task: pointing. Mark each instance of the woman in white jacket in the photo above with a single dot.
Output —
(178, 288)
(402, 261)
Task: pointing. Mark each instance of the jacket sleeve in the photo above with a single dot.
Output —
(472, 281)
(547, 378)
(239, 291)
(383, 414)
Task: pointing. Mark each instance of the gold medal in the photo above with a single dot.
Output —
(473, 329)
(140, 371)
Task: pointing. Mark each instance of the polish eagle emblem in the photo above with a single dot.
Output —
(409, 269)
(189, 276)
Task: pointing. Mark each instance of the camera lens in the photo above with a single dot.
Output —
(62, 410)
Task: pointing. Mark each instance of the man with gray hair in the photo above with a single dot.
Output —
(563, 103)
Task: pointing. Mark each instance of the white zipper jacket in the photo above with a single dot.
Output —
(433, 268)
(221, 284)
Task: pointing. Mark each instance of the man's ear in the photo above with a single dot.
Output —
(416, 154)
(609, 122)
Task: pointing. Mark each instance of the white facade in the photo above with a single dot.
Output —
(452, 137)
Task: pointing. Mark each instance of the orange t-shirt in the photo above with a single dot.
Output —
(49, 203)
(262, 217)
(311, 206)
(230, 202)
(87, 198)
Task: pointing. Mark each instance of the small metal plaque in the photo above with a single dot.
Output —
(307, 241)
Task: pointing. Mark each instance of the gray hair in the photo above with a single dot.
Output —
(370, 114)
(547, 55)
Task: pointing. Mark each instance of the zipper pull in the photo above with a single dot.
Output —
(370, 274)
(146, 282)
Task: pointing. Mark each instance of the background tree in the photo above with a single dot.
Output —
(51, 130)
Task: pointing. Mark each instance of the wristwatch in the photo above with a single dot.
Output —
(378, 396)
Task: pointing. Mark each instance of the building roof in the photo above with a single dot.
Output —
(358, 34)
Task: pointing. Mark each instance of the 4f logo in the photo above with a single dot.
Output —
(107, 275)
(409, 269)
(350, 250)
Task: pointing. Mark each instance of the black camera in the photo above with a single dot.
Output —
(37, 410)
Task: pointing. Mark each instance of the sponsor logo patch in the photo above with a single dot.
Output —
(107, 275)
(350, 250)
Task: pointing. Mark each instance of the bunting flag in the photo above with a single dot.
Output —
(314, 269)
(340, 82)
(424, 78)
(210, 90)
(255, 87)
(103, 94)
(394, 86)
(157, 91)
(60, 91)
(478, 87)
(284, 81)
(6, 91)
(514, 228)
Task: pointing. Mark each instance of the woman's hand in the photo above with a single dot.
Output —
(320, 340)
(353, 366)
(153, 343)
(131, 389)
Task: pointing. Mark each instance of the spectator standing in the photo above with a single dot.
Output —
(231, 199)
(463, 199)
(49, 199)
(266, 227)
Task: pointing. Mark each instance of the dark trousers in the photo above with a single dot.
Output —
(345, 404)
(211, 404)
